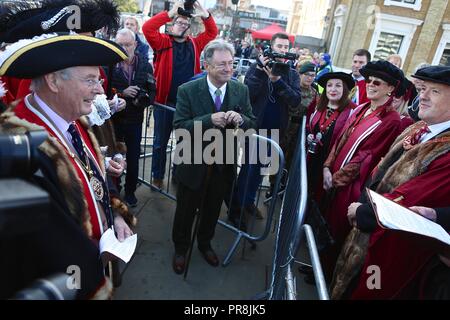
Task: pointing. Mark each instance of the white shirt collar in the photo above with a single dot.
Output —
(435, 129)
(61, 124)
(212, 89)
(358, 79)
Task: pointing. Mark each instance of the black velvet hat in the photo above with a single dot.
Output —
(383, 70)
(345, 77)
(438, 74)
(25, 19)
(31, 58)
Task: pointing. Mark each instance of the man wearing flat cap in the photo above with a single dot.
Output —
(63, 88)
(415, 172)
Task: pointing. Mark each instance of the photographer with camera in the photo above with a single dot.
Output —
(273, 87)
(177, 61)
(130, 79)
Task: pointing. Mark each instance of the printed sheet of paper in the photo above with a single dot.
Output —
(394, 216)
(122, 250)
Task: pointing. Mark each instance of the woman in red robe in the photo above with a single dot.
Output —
(326, 124)
(366, 138)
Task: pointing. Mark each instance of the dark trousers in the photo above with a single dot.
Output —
(163, 127)
(131, 134)
(187, 203)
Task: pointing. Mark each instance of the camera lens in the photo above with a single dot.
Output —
(18, 153)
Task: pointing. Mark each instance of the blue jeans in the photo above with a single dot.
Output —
(163, 127)
(131, 135)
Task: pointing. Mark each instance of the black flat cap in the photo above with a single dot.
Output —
(438, 74)
(26, 19)
(383, 70)
(307, 67)
(28, 59)
(345, 77)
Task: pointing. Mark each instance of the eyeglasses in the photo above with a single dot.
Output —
(182, 24)
(374, 82)
(222, 66)
(92, 83)
(310, 75)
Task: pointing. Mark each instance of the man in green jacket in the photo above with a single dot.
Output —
(213, 102)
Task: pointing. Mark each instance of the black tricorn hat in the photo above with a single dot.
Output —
(345, 77)
(438, 74)
(31, 58)
(25, 19)
(383, 70)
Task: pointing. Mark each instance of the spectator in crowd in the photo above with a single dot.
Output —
(323, 68)
(413, 108)
(211, 102)
(270, 95)
(360, 58)
(63, 87)
(368, 133)
(177, 61)
(244, 50)
(400, 103)
(130, 80)
(133, 24)
(395, 59)
(415, 172)
(308, 102)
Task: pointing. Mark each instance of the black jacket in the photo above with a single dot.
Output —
(287, 88)
(143, 73)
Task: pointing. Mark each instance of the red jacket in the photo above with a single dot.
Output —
(162, 45)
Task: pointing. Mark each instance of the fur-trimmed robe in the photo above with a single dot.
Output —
(419, 176)
(65, 239)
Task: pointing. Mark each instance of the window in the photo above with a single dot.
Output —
(392, 34)
(445, 59)
(388, 44)
(442, 56)
(411, 4)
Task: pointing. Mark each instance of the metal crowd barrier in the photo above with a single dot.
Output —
(146, 179)
(146, 176)
(291, 232)
(272, 145)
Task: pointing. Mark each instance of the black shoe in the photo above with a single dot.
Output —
(241, 225)
(178, 263)
(131, 200)
(305, 270)
(210, 256)
(309, 279)
(254, 211)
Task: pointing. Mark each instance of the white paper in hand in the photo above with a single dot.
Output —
(122, 250)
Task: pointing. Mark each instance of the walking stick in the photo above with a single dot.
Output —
(198, 218)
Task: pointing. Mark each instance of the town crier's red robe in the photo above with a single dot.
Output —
(354, 155)
(26, 111)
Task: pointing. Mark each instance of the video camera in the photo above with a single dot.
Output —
(188, 9)
(278, 68)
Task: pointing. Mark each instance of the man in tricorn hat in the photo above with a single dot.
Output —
(24, 20)
(63, 87)
(415, 172)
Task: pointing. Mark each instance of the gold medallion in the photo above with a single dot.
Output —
(97, 188)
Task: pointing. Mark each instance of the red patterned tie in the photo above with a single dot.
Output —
(414, 139)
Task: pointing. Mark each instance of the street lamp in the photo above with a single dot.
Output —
(235, 20)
